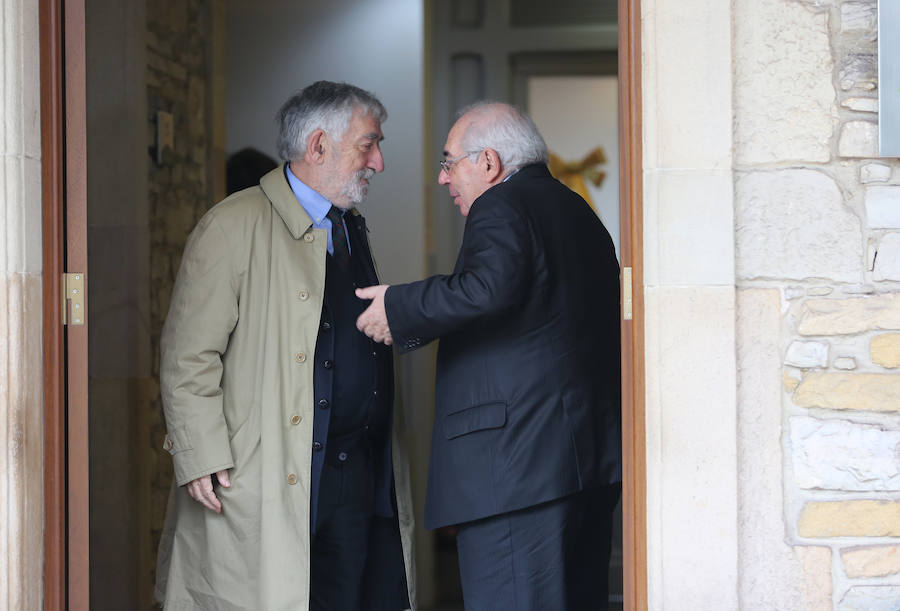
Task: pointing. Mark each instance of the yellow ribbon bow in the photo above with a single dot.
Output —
(573, 173)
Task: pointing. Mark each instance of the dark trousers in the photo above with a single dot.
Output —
(550, 556)
(340, 544)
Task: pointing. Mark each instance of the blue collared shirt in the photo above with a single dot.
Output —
(315, 205)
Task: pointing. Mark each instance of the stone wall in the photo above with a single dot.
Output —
(21, 379)
(817, 242)
(179, 81)
(689, 299)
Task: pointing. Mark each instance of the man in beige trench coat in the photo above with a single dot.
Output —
(291, 485)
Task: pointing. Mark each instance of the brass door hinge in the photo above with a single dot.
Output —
(73, 291)
(627, 311)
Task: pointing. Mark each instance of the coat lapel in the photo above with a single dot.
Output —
(276, 187)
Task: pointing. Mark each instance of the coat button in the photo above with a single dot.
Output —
(375, 393)
(328, 364)
(295, 419)
(292, 479)
(326, 326)
(317, 446)
(301, 357)
(168, 444)
(303, 295)
(323, 403)
(342, 456)
(308, 237)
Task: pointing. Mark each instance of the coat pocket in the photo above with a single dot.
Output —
(475, 418)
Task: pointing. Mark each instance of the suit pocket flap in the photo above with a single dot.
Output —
(476, 418)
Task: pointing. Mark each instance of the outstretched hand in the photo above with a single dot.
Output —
(373, 322)
(201, 490)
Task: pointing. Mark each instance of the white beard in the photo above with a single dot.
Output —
(354, 189)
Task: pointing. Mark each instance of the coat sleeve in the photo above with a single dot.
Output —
(492, 275)
(202, 314)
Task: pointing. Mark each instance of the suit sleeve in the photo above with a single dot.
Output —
(492, 275)
(202, 314)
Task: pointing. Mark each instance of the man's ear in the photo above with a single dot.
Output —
(492, 166)
(315, 147)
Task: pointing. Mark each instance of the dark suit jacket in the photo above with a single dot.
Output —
(527, 395)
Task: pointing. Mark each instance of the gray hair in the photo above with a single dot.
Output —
(507, 130)
(323, 105)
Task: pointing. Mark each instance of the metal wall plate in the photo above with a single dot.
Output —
(889, 78)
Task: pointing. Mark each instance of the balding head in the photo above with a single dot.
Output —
(505, 129)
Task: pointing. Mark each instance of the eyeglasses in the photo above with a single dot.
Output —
(447, 164)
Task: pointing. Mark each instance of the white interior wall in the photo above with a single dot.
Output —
(576, 114)
(276, 47)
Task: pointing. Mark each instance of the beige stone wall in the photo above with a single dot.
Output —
(688, 242)
(21, 422)
(817, 259)
(181, 82)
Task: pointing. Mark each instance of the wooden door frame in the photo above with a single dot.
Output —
(631, 227)
(64, 245)
(53, 243)
(66, 543)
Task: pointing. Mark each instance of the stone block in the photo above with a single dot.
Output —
(878, 561)
(794, 292)
(697, 325)
(871, 598)
(861, 104)
(784, 103)
(771, 575)
(693, 131)
(858, 289)
(849, 316)
(863, 518)
(883, 207)
(846, 363)
(816, 563)
(790, 381)
(886, 350)
(807, 354)
(844, 455)
(687, 200)
(792, 224)
(819, 291)
(887, 259)
(858, 139)
(874, 172)
(860, 71)
(871, 392)
(859, 16)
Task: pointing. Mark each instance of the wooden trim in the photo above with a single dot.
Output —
(52, 231)
(78, 463)
(634, 495)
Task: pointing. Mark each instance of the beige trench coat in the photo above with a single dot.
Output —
(237, 388)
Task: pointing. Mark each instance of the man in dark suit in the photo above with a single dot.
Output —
(526, 448)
